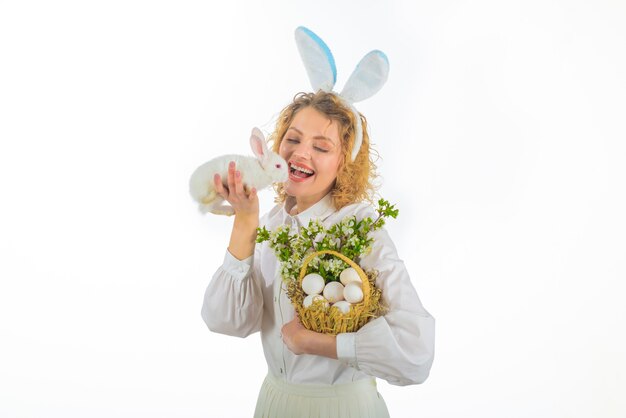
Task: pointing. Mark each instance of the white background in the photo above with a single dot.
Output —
(501, 132)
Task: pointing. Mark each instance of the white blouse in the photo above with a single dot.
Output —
(397, 347)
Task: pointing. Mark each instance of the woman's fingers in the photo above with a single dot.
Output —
(235, 183)
(240, 196)
(231, 177)
(239, 185)
(219, 186)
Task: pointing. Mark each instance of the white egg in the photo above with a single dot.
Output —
(343, 306)
(308, 301)
(312, 284)
(333, 292)
(349, 275)
(353, 292)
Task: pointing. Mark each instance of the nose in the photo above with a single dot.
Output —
(302, 151)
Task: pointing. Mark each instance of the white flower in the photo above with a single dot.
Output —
(315, 262)
(319, 237)
(346, 230)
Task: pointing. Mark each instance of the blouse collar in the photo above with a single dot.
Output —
(320, 210)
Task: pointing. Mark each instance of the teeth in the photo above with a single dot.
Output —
(304, 170)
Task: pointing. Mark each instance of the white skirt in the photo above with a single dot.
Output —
(358, 399)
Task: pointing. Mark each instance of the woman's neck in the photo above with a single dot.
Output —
(300, 205)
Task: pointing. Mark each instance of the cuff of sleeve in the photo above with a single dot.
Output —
(237, 268)
(346, 348)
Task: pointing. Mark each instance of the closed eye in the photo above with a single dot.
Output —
(297, 141)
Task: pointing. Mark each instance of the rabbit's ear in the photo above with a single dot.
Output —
(367, 78)
(317, 59)
(258, 144)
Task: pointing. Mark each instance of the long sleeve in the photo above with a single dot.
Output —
(399, 346)
(233, 301)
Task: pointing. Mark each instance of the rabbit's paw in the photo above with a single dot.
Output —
(217, 208)
(210, 197)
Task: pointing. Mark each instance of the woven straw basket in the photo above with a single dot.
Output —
(320, 318)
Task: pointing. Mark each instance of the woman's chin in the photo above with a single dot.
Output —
(299, 190)
(293, 189)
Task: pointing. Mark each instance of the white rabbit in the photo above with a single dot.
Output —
(267, 168)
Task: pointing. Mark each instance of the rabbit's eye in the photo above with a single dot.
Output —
(278, 165)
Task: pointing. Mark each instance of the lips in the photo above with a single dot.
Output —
(299, 172)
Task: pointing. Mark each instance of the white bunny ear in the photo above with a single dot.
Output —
(258, 145)
(317, 59)
(367, 78)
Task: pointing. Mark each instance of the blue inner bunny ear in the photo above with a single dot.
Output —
(317, 59)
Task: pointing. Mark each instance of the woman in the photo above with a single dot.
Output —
(309, 373)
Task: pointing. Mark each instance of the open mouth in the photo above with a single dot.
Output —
(299, 171)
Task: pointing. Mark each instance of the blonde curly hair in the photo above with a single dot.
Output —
(354, 181)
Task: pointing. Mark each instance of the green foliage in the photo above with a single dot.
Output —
(262, 234)
(386, 209)
(349, 237)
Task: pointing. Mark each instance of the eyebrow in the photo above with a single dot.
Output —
(315, 137)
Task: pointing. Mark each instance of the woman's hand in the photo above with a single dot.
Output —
(303, 341)
(244, 202)
(246, 206)
(294, 336)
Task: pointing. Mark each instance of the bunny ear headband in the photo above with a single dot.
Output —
(367, 78)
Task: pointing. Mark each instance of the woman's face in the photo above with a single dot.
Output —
(312, 149)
